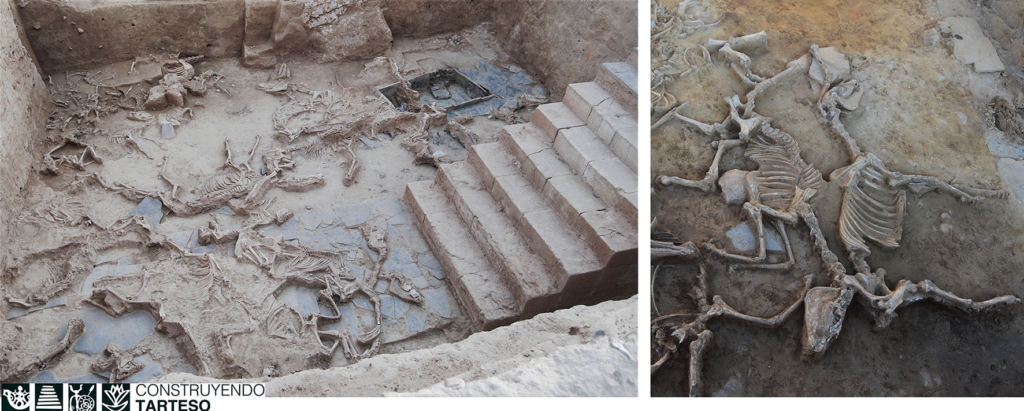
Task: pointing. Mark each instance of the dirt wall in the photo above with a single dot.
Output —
(74, 34)
(564, 42)
(21, 102)
(429, 17)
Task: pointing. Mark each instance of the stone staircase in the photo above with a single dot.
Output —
(545, 218)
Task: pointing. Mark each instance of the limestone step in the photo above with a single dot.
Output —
(620, 80)
(609, 232)
(553, 117)
(613, 181)
(523, 271)
(608, 119)
(479, 288)
(562, 248)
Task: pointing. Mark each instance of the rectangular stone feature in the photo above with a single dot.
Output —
(553, 117)
(483, 294)
(509, 254)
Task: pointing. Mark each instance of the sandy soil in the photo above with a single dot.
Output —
(543, 356)
(923, 113)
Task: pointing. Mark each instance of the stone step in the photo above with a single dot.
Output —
(553, 117)
(562, 248)
(620, 80)
(609, 232)
(479, 288)
(612, 180)
(608, 119)
(523, 271)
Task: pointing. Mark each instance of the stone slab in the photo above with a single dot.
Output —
(743, 238)
(101, 329)
(553, 117)
(971, 46)
(149, 207)
(579, 146)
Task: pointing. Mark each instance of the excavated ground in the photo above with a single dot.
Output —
(923, 112)
(243, 322)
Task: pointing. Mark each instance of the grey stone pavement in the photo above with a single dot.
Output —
(335, 230)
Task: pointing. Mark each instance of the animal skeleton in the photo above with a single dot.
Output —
(52, 162)
(117, 361)
(873, 206)
(21, 372)
(242, 188)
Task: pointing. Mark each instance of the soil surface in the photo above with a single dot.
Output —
(175, 302)
(923, 112)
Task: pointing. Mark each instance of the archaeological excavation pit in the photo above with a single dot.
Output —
(837, 198)
(247, 189)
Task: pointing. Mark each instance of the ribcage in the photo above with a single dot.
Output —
(871, 210)
(236, 182)
(780, 168)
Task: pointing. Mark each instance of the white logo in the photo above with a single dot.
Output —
(18, 399)
(80, 402)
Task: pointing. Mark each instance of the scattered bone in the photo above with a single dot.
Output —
(140, 116)
(116, 306)
(466, 136)
(127, 138)
(11, 371)
(530, 101)
(507, 115)
(117, 361)
(52, 162)
(242, 188)
(408, 98)
(170, 92)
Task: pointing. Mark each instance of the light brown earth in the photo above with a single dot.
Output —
(923, 113)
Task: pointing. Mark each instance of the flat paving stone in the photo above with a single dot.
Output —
(1012, 173)
(400, 218)
(302, 299)
(362, 302)
(208, 249)
(393, 307)
(182, 238)
(415, 322)
(401, 256)
(344, 236)
(353, 215)
(150, 207)
(310, 220)
(47, 377)
(437, 302)
(971, 46)
(106, 271)
(430, 263)
(359, 271)
(381, 287)
(1002, 147)
(290, 229)
(306, 238)
(390, 207)
(743, 238)
(101, 329)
